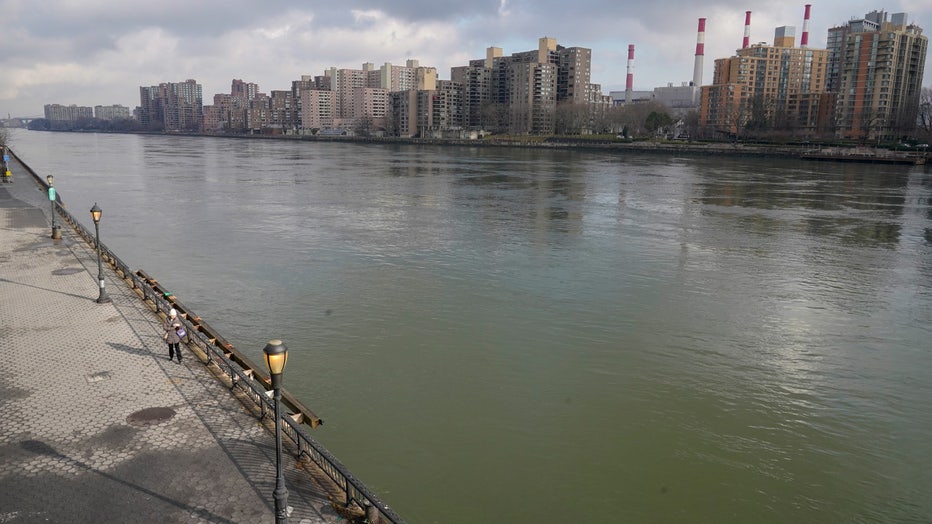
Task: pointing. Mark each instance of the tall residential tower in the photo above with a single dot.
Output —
(875, 67)
(778, 87)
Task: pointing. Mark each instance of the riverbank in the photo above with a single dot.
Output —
(681, 148)
(854, 153)
(193, 412)
(98, 425)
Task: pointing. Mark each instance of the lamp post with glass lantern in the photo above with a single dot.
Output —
(95, 216)
(276, 356)
(56, 232)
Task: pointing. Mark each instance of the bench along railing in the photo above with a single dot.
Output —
(250, 380)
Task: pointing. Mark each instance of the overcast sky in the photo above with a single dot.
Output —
(98, 52)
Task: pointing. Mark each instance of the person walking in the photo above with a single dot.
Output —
(171, 325)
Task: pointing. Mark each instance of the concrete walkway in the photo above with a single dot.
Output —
(96, 424)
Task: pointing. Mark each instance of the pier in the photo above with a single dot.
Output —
(98, 425)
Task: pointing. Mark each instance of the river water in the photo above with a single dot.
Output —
(509, 335)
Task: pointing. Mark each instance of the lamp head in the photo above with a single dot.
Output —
(95, 213)
(276, 356)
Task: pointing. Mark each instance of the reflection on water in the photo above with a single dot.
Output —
(499, 335)
(855, 204)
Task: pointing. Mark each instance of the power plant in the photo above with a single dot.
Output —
(700, 54)
(683, 96)
(804, 40)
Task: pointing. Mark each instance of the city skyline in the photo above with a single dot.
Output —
(100, 53)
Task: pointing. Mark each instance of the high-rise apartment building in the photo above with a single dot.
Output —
(344, 83)
(243, 91)
(776, 87)
(532, 97)
(411, 76)
(217, 117)
(573, 80)
(171, 106)
(476, 83)
(519, 93)
(298, 87)
(243, 109)
(403, 118)
(361, 96)
(369, 103)
(69, 113)
(436, 112)
(447, 106)
(876, 67)
(111, 112)
(281, 110)
(258, 113)
(317, 109)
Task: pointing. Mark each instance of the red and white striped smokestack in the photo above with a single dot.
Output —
(629, 81)
(700, 53)
(804, 41)
(747, 30)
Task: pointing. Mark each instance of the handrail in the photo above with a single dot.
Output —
(248, 378)
(197, 324)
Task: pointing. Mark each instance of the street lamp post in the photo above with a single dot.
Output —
(56, 232)
(276, 356)
(95, 216)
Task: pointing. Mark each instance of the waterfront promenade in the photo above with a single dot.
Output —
(96, 424)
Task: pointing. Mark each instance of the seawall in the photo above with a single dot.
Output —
(137, 295)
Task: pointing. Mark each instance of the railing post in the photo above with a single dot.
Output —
(372, 513)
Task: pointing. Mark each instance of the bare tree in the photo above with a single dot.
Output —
(364, 126)
(872, 122)
(603, 121)
(737, 118)
(615, 119)
(571, 118)
(691, 123)
(759, 112)
(634, 116)
(494, 117)
(391, 124)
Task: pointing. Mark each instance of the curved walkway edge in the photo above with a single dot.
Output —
(96, 424)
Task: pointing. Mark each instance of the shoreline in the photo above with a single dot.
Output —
(808, 152)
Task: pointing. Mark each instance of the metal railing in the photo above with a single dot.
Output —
(243, 375)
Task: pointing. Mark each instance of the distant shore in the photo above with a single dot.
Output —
(684, 148)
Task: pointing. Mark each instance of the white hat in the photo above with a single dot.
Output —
(173, 313)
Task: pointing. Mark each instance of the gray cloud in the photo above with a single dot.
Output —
(100, 51)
